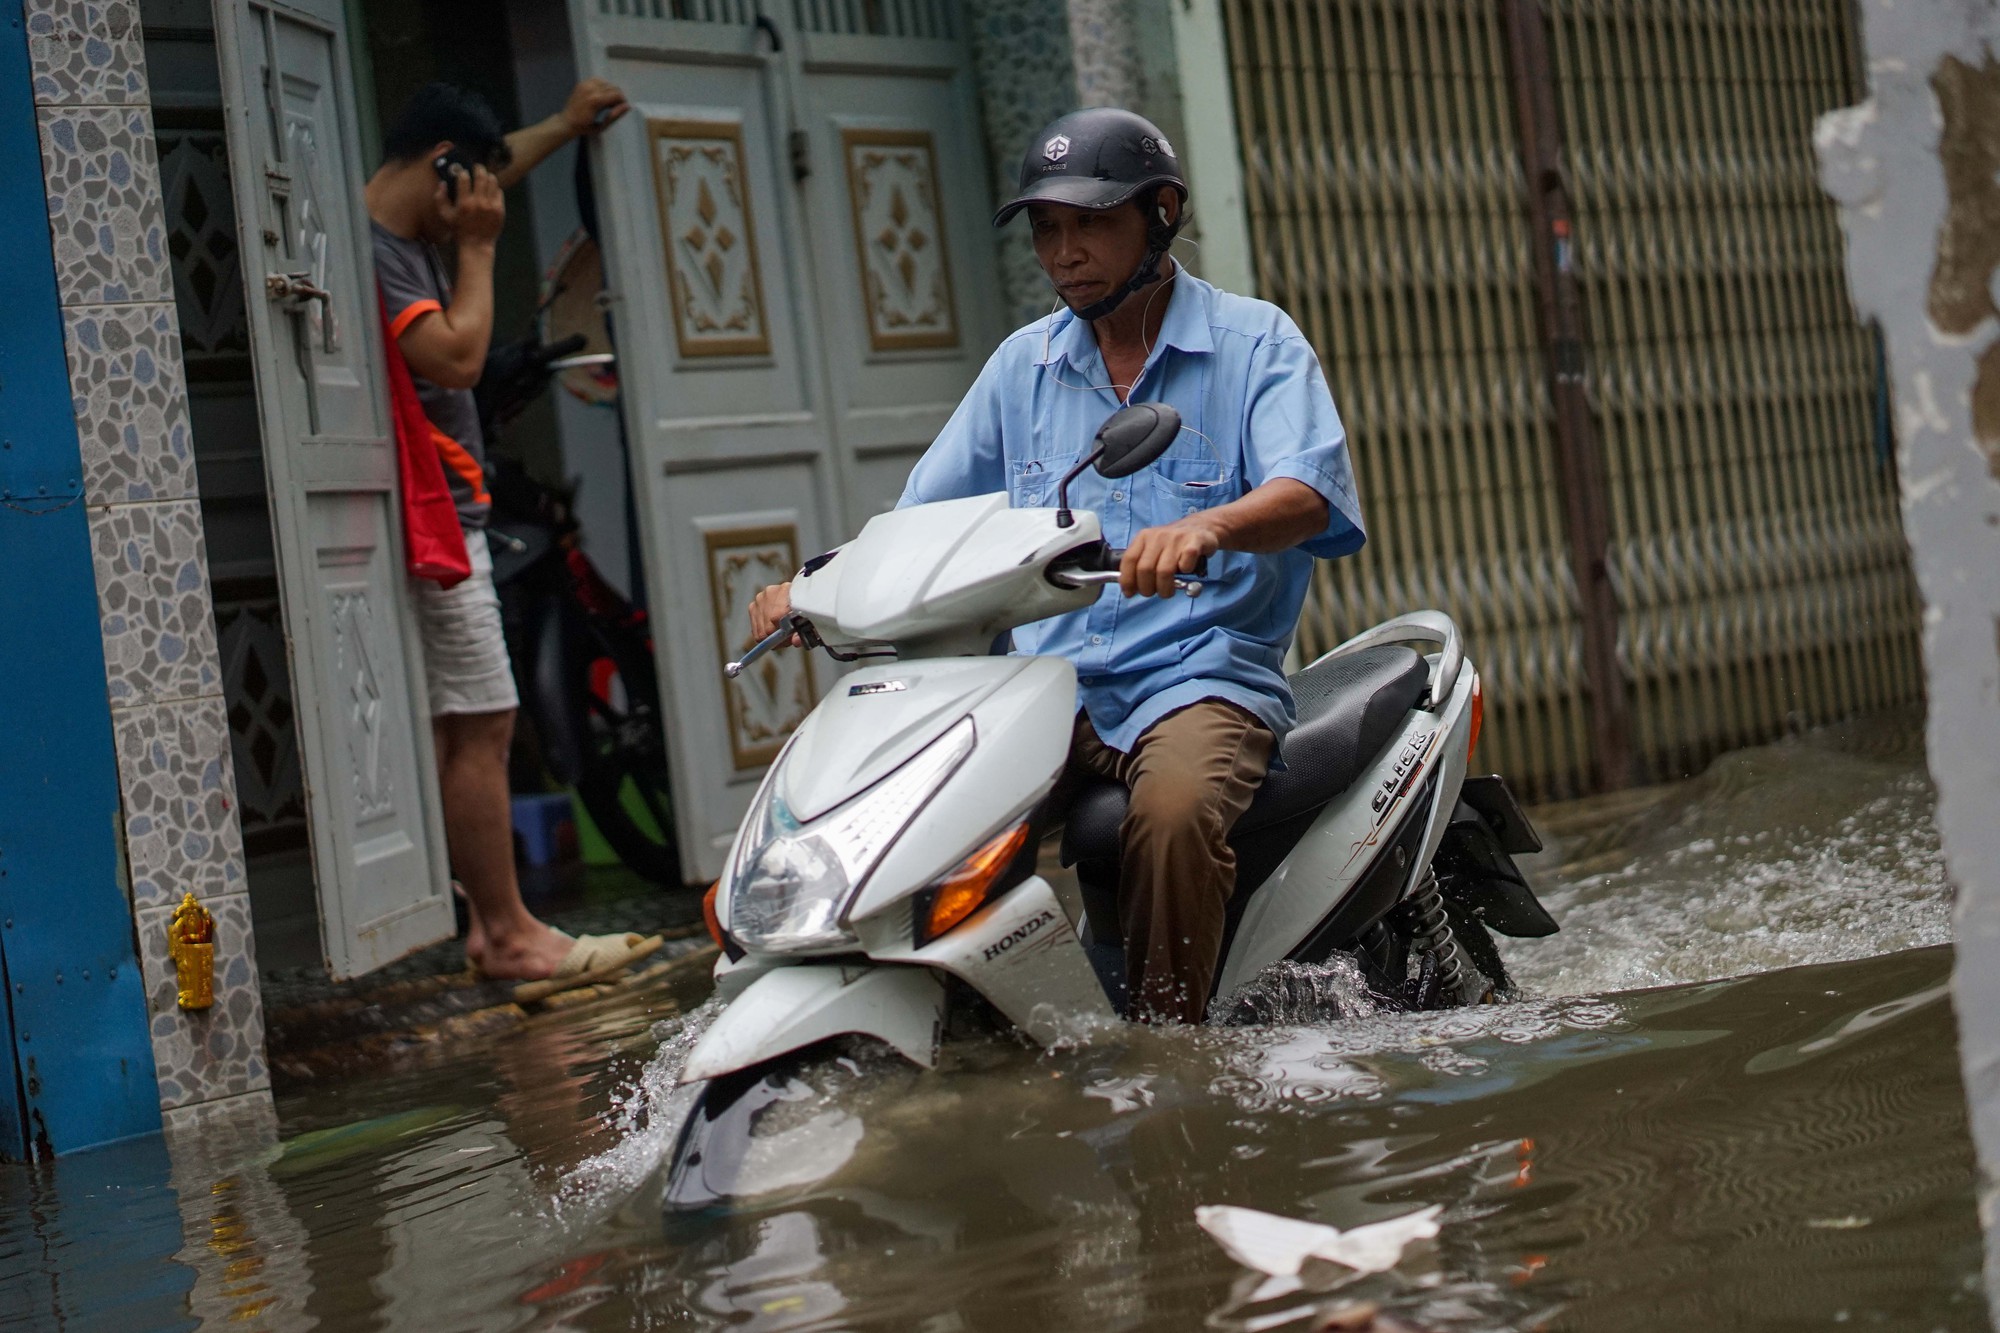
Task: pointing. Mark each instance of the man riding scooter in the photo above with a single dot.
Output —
(1183, 700)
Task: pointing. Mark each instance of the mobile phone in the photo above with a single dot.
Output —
(443, 163)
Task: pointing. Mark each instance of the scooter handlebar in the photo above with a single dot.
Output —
(1113, 558)
(1098, 565)
(1100, 557)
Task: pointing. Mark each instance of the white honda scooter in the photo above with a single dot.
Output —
(884, 880)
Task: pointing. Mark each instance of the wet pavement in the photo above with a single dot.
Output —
(420, 1007)
(1735, 1105)
(583, 900)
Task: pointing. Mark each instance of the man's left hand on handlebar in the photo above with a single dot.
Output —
(768, 609)
(1157, 555)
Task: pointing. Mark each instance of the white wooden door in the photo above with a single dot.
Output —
(902, 235)
(774, 166)
(364, 734)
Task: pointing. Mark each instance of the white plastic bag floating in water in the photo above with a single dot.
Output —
(1279, 1246)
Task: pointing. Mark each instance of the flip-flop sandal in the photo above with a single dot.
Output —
(591, 959)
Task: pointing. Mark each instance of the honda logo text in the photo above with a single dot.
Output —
(1026, 930)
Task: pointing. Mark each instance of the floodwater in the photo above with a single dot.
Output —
(1735, 1105)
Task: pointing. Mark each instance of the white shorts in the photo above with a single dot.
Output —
(465, 652)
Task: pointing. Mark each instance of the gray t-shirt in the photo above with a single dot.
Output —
(413, 284)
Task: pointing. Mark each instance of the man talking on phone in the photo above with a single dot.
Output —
(445, 162)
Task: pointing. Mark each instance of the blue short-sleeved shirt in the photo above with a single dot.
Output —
(1250, 390)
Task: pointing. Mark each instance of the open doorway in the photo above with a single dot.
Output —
(590, 742)
(233, 330)
(191, 140)
(295, 470)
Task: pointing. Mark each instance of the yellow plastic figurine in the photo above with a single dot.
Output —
(191, 944)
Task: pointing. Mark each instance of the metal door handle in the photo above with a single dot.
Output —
(294, 287)
(295, 290)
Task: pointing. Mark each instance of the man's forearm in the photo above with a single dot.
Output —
(471, 311)
(1275, 517)
(531, 145)
(449, 348)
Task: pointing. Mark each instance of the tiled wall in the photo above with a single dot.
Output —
(163, 678)
(1021, 55)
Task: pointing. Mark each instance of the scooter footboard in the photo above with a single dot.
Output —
(790, 1008)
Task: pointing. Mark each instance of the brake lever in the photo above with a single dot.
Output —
(777, 638)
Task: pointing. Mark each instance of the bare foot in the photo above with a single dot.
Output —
(475, 933)
(530, 954)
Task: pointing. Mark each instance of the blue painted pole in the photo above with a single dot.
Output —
(77, 1067)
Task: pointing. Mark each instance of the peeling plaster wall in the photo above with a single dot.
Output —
(1914, 171)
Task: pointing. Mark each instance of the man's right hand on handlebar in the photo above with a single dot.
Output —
(1159, 556)
(768, 610)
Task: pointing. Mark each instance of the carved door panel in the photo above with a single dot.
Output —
(733, 470)
(766, 423)
(363, 727)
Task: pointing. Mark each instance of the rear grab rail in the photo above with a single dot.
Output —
(1423, 627)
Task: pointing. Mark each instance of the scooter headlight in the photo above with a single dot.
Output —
(791, 880)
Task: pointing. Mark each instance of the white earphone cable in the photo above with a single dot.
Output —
(1124, 391)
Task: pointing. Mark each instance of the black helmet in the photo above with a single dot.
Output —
(1097, 159)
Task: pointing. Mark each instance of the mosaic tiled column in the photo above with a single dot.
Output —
(163, 676)
(1021, 55)
(1107, 53)
(1036, 60)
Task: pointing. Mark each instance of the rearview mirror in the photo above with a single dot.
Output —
(1129, 440)
(1133, 437)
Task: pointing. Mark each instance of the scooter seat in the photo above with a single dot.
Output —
(1349, 708)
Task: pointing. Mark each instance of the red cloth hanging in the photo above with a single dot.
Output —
(433, 541)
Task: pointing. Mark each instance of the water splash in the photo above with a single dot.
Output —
(1297, 993)
(1817, 849)
(1302, 1067)
(646, 1121)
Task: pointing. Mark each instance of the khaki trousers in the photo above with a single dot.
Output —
(1191, 775)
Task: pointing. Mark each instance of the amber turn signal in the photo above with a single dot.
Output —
(1478, 715)
(708, 916)
(959, 894)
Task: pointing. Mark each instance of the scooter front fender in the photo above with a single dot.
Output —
(790, 1008)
